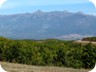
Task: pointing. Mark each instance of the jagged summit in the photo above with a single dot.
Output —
(38, 12)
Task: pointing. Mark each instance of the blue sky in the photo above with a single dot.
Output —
(23, 6)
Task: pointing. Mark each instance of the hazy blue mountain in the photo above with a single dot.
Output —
(40, 25)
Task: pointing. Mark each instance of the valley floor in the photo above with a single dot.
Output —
(12, 67)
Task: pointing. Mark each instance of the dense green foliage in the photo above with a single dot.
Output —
(89, 39)
(48, 52)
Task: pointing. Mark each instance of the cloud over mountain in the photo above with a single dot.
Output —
(2, 2)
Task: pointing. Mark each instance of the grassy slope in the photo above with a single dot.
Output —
(11, 67)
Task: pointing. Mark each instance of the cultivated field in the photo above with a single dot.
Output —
(12, 67)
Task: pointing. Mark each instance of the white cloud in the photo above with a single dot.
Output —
(94, 2)
(2, 2)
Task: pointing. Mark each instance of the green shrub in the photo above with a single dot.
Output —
(48, 52)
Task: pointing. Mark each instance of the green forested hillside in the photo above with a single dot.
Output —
(89, 39)
(50, 52)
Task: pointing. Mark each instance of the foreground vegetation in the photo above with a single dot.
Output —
(48, 52)
(12, 67)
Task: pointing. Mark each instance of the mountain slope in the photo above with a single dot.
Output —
(39, 25)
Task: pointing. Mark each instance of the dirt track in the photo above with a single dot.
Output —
(12, 67)
(80, 41)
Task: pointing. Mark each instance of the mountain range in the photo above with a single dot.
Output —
(43, 25)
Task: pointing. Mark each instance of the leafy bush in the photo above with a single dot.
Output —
(48, 52)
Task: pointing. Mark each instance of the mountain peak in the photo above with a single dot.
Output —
(54, 24)
(38, 11)
(65, 11)
(80, 12)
